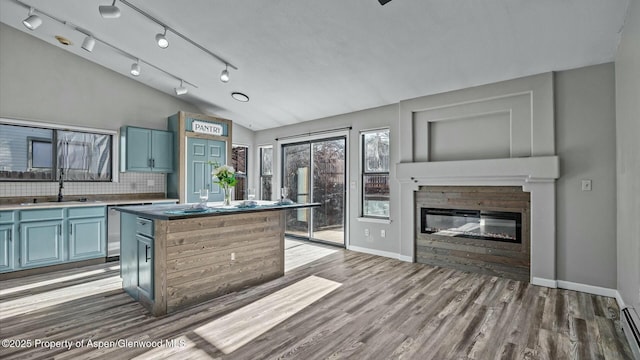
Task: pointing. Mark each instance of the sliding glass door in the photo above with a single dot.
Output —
(314, 171)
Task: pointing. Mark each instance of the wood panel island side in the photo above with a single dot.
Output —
(172, 258)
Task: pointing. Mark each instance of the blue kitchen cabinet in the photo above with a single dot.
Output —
(87, 232)
(136, 255)
(41, 243)
(145, 264)
(162, 151)
(53, 235)
(87, 238)
(8, 239)
(146, 150)
(6, 247)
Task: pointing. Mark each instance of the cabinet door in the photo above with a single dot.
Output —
(145, 265)
(162, 151)
(138, 149)
(41, 243)
(6, 247)
(87, 238)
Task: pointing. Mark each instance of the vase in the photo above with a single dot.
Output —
(227, 196)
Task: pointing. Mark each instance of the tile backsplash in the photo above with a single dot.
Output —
(129, 183)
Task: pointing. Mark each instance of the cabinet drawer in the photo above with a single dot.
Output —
(41, 214)
(144, 226)
(6, 216)
(86, 211)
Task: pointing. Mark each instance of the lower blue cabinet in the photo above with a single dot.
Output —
(41, 243)
(50, 236)
(87, 238)
(145, 264)
(6, 247)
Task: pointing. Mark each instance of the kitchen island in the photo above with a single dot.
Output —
(175, 256)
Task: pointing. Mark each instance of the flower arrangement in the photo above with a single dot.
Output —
(225, 176)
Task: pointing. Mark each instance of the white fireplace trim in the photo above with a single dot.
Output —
(535, 175)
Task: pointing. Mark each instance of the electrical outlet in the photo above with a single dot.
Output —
(586, 185)
(151, 182)
(383, 233)
(233, 256)
(366, 232)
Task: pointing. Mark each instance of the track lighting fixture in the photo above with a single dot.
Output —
(181, 90)
(135, 68)
(88, 43)
(109, 11)
(33, 21)
(224, 76)
(161, 39)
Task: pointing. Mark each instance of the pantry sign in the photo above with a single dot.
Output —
(206, 128)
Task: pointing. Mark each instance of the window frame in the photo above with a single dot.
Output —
(262, 173)
(241, 175)
(30, 141)
(364, 173)
(114, 151)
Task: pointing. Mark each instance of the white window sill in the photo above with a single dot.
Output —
(374, 220)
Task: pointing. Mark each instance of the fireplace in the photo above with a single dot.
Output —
(472, 224)
(483, 229)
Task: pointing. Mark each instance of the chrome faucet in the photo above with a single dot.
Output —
(60, 185)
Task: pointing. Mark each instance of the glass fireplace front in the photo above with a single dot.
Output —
(472, 224)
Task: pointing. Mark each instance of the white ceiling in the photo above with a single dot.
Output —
(303, 60)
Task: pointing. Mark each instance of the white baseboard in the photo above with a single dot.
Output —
(589, 289)
(405, 258)
(380, 253)
(544, 282)
(619, 300)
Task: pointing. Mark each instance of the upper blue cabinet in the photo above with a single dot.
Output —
(145, 150)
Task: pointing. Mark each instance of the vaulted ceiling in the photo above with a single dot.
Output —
(303, 60)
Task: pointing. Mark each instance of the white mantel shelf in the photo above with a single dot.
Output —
(529, 169)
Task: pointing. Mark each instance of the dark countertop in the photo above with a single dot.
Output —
(177, 211)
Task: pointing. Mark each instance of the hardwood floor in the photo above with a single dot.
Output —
(380, 309)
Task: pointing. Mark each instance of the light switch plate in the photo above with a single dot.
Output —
(586, 185)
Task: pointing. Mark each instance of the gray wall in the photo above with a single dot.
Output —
(628, 157)
(585, 143)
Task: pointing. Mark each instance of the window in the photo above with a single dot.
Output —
(375, 173)
(266, 172)
(239, 162)
(29, 153)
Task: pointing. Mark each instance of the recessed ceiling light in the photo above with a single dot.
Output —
(63, 40)
(240, 96)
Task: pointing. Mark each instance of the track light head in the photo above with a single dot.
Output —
(224, 76)
(161, 39)
(181, 90)
(109, 11)
(33, 21)
(135, 68)
(88, 43)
